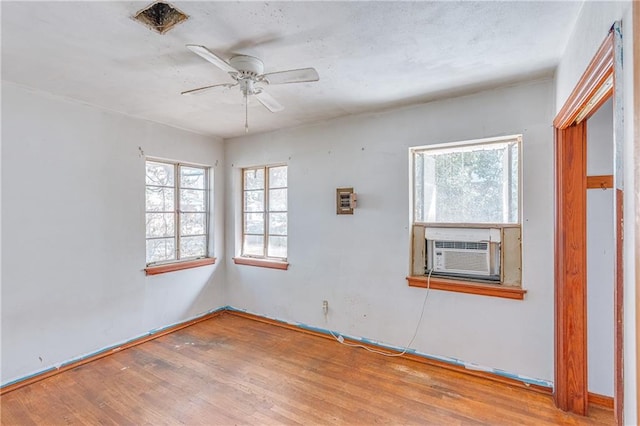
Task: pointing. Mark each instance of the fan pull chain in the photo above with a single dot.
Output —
(246, 113)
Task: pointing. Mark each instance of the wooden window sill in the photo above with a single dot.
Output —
(262, 263)
(177, 266)
(494, 290)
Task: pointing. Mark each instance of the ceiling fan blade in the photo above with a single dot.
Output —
(269, 102)
(211, 57)
(201, 90)
(292, 76)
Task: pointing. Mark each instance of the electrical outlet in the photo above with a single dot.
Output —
(325, 306)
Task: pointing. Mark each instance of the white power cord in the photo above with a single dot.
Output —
(340, 339)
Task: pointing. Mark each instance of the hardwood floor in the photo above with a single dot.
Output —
(233, 370)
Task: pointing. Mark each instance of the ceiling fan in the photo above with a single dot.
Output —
(248, 74)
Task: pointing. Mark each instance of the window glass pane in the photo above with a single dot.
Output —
(420, 197)
(471, 184)
(192, 223)
(191, 177)
(278, 177)
(253, 245)
(192, 200)
(160, 225)
(277, 247)
(159, 174)
(254, 201)
(254, 223)
(162, 188)
(162, 249)
(254, 179)
(277, 223)
(193, 247)
(278, 200)
(514, 190)
(160, 199)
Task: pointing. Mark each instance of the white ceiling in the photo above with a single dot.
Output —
(370, 55)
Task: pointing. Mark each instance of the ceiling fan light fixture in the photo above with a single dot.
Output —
(160, 16)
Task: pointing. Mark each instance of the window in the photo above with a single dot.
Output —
(476, 182)
(466, 217)
(264, 212)
(177, 212)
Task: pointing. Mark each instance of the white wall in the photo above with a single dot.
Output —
(592, 26)
(73, 231)
(359, 263)
(600, 254)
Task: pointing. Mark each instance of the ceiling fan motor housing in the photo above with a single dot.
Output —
(247, 65)
(249, 69)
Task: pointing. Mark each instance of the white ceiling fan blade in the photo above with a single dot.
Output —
(292, 76)
(211, 57)
(205, 89)
(269, 102)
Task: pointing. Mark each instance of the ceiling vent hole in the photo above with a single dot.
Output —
(160, 17)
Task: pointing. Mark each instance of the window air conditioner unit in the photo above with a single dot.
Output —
(471, 253)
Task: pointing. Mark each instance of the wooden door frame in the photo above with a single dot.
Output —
(593, 89)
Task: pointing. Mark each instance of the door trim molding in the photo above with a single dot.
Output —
(570, 343)
(570, 381)
(599, 70)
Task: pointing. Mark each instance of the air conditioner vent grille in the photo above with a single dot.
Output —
(461, 245)
(470, 262)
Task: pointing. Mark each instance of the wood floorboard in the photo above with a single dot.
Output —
(233, 370)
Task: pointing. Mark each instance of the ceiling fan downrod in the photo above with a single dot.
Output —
(246, 113)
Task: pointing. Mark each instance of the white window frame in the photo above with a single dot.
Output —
(177, 211)
(265, 211)
(470, 143)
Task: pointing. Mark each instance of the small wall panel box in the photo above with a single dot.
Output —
(345, 200)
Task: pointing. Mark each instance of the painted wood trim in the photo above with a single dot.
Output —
(598, 71)
(601, 400)
(262, 263)
(600, 182)
(494, 290)
(570, 270)
(618, 184)
(428, 361)
(636, 168)
(178, 266)
(106, 352)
